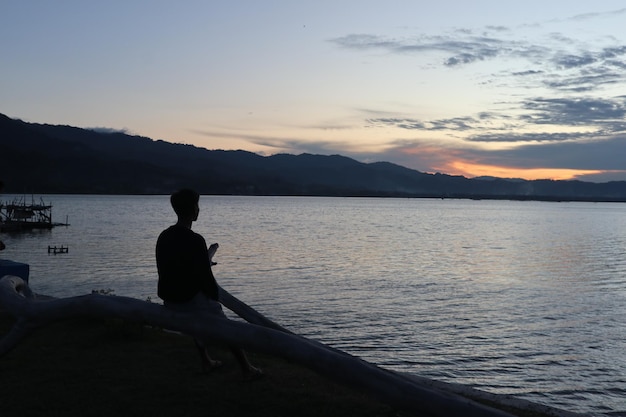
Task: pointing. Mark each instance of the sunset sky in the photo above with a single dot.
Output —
(528, 89)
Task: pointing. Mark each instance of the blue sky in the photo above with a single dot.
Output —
(533, 89)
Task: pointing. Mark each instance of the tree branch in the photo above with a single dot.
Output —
(264, 336)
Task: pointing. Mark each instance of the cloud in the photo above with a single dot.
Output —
(595, 159)
(605, 176)
(613, 52)
(591, 154)
(587, 115)
(524, 137)
(458, 124)
(461, 50)
(583, 83)
(109, 130)
(565, 64)
(571, 61)
(581, 134)
(587, 16)
(280, 144)
(526, 73)
(607, 114)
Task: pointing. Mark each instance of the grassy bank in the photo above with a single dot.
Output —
(88, 367)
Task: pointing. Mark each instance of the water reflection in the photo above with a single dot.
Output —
(513, 297)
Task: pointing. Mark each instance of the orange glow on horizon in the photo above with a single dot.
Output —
(477, 170)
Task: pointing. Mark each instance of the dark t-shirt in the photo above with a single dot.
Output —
(184, 266)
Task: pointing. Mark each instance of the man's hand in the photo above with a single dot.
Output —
(212, 250)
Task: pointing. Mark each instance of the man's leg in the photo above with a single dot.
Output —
(249, 371)
(208, 364)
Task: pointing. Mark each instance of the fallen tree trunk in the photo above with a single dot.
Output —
(266, 337)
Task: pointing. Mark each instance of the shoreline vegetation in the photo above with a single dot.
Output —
(96, 367)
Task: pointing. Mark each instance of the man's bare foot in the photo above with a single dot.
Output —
(252, 374)
(211, 365)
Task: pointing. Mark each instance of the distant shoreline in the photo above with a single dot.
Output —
(547, 199)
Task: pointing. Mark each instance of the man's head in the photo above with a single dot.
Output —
(185, 203)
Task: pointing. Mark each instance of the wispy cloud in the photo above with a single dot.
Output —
(566, 64)
(458, 124)
(461, 49)
(607, 114)
(587, 16)
(600, 117)
(110, 130)
(281, 144)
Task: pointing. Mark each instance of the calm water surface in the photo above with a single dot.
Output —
(523, 298)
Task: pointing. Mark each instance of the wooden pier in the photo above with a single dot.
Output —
(54, 250)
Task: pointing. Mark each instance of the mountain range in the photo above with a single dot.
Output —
(53, 159)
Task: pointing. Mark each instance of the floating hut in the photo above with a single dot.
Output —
(19, 215)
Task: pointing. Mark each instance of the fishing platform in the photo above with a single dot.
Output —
(19, 215)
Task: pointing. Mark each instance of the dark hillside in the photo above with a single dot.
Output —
(40, 158)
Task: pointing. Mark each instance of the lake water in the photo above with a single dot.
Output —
(523, 298)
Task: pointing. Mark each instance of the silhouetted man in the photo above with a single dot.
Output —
(2, 245)
(186, 281)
